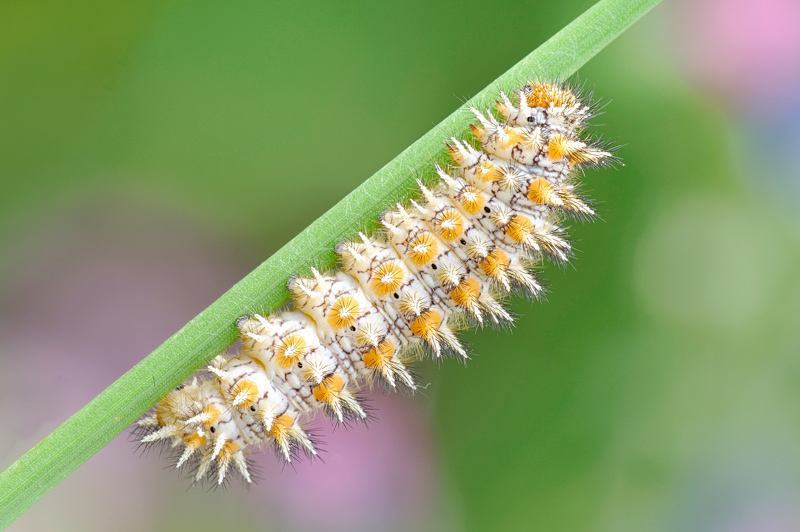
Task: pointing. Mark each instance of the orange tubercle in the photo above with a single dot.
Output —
(387, 278)
(541, 191)
(455, 154)
(329, 388)
(281, 426)
(450, 225)
(520, 228)
(423, 324)
(502, 109)
(467, 292)
(213, 414)
(514, 138)
(228, 449)
(495, 263)
(290, 350)
(488, 172)
(422, 249)
(248, 388)
(377, 356)
(195, 441)
(472, 200)
(558, 147)
(545, 95)
(343, 313)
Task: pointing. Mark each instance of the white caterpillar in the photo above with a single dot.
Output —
(438, 264)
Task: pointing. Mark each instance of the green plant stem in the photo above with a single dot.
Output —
(111, 412)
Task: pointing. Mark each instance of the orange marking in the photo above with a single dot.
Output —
(478, 131)
(520, 228)
(213, 414)
(343, 313)
(495, 263)
(544, 95)
(467, 292)
(423, 324)
(387, 278)
(472, 200)
(247, 387)
(486, 171)
(502, 109)
(377, 356)
(291, 349)
(449, 225)
(228, 449)
(557, 148)
(281, 426)
(514, 138)
(195, 441)
(541, 191)
(455, 154)
(422, 249)
(328, 390)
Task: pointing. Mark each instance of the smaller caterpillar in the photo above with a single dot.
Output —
(439, 264)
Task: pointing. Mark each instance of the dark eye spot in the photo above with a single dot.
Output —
(252, 409)
(352, 328)
(531, 119)
(463, 242)
(396, 296)
(213, 429)
(487, 209)
(299, 364)
(433, 266)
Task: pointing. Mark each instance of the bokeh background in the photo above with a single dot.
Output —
(154, 152)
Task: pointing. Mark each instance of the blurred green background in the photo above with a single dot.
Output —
(154, 152)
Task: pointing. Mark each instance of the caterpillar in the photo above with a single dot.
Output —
(439, 263)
